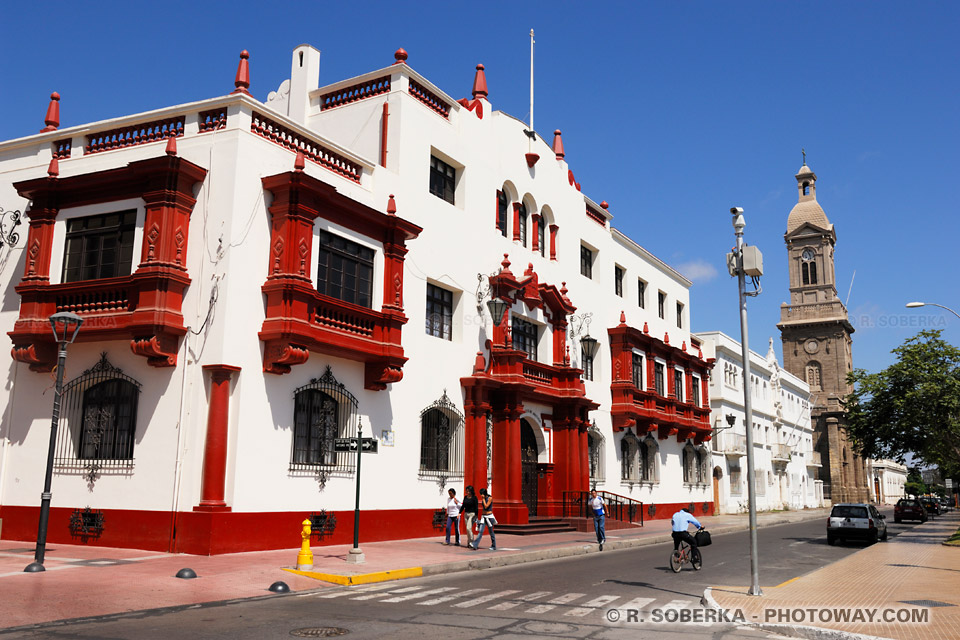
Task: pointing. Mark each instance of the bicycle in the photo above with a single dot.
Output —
(683, 555)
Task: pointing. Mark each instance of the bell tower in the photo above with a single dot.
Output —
(817, 339)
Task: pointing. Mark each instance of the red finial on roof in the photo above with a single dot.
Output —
(53, 114)
(604, 205)
(563, 289)
(683, 347)
(700, 354)
(480, 83)
(558, 146)
(666, 338)
(529, 271)
(242, 82)
(300, 162)
(646, 329)
(506, 262)
(392, 206)
(623, 319)
(400, 56)
(171, 149)
(54, 169)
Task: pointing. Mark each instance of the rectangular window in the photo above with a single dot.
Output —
(586, 262)
(641, 294)
(618, 280)
(439, 312)
(346, 270)
(679, 315)
(696, 391)
(587, 365)
(502, 206)
(678, 384)
(522, 224)
(638, 371)
(541, 237)
(658, 379)
(662, 304)
(99, 246)
(525, 337)
(443, 179)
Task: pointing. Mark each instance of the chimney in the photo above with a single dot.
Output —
(304, 78)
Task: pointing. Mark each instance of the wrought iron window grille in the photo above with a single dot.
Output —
(322, 524)
(440, 519)
(441, 441)
(86, 523)
(8, 227)
(323, 411)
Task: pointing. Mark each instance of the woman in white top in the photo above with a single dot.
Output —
(453, 515)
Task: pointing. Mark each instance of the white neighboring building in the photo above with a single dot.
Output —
(785, 465)
(887, 478)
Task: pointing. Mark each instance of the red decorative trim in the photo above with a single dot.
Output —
(596, 217)
(144, 307)
(472, 105)
(531, 158)
(355, 93)
(429, 98)
(288, 138)
(134, 135)
(553, 241)
(558, 146)
(480, 84)
(215, 448)
(384, 122)
(213, 120)
(52, 119)
(242, 80)
(279, 357)
(377, 375)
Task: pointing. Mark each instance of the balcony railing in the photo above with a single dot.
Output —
(731, 444)
(781, 452)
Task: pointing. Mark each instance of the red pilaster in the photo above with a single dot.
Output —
(584, 451)
(215, 451)
(553, 241)
(516, 221)
(537, 222)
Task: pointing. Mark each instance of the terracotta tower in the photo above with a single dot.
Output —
(817, 340)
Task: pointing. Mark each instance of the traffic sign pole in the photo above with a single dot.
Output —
(356, 555)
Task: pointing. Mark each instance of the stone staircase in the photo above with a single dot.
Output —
(537, 526)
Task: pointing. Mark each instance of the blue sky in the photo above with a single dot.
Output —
(671, 112)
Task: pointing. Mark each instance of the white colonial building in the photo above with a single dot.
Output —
(785, 465)
(258, 279)
(887, 479)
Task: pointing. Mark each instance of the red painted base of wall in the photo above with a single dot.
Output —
(212, 533)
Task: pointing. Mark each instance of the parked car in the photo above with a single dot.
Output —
(945, 505)
(932, 505)
(909, 509)
(855, 521)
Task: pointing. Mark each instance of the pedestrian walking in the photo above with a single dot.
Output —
(453, 515)
(487, 520)
(468, 512)
(599, 509)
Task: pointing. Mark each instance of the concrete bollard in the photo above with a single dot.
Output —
(305, 557)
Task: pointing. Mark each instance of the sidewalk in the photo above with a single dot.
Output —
(912, 572)
(85, 581)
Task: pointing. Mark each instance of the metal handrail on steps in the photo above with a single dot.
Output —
(575, 505)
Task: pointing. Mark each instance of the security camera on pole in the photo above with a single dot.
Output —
(747, 261)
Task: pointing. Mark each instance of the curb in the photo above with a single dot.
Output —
(791, 630)
(508, 559)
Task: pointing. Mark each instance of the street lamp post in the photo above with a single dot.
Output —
(914, 305)
(65, 328)
(738, 225)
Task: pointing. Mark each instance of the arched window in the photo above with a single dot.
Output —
(629, 467)
(703, 465)
(813, 273)
(806, 188)
(99, 419)
(441, 439)
(649, 460)
(689, 464)
(595, 442)
(323, 411)
(813, 375)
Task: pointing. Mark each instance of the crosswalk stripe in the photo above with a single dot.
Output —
(601, 601)
(678, 604)
(486, 598)
(414, 596)
(371, 596)
(453, 596)
(355, 590)
(589, 607)
(565, 598)
(541, 608)
(510, 604)
(636, 604)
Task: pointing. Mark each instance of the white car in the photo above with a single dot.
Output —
(858, 521)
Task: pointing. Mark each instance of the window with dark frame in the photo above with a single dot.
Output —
(586, 262)
(641, 294)
(443, 179)
(502, 206)
(315, 426)
(99, 246)
(695, 387)
(618, 280)
(680, 315)
(524, 337)
(658, 379)
(439, 320)
(638, 371)
(587, 364)
(541, 237)
(662, 304)
(522, 224)
(678, 384)
(109, 421)
(346, 270)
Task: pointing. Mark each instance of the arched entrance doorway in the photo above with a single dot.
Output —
(528, 467)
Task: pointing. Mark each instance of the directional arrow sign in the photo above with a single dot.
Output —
(345, 444)
(369, 445)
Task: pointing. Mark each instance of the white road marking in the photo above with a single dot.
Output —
(355, 590)
(377, 595)
(454, 596)
(589, 607)
(636, 603)
(552, 604)
(486, 598)
(530, 597)
(414, 596)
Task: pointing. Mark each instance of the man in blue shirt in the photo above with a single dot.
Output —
(681, 521)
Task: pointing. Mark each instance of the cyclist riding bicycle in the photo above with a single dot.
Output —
(681, 522)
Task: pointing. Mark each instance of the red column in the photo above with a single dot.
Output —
(506, 466)
(215, 451)
(537, 221)
(475, 448)
(584, 456)
(553, 241)
(516, 220)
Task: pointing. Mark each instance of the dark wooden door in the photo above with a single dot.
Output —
(528, 467)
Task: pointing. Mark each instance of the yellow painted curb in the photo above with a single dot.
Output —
(783, 584)
(361, 578)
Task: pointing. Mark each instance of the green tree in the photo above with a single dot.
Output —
(915, 489)
(912, 406)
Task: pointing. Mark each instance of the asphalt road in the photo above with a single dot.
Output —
(603, 596)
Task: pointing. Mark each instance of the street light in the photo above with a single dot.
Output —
(742, 262)
(65, 328)
(914, 305)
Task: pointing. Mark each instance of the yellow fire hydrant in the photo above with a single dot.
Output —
(305, 557)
